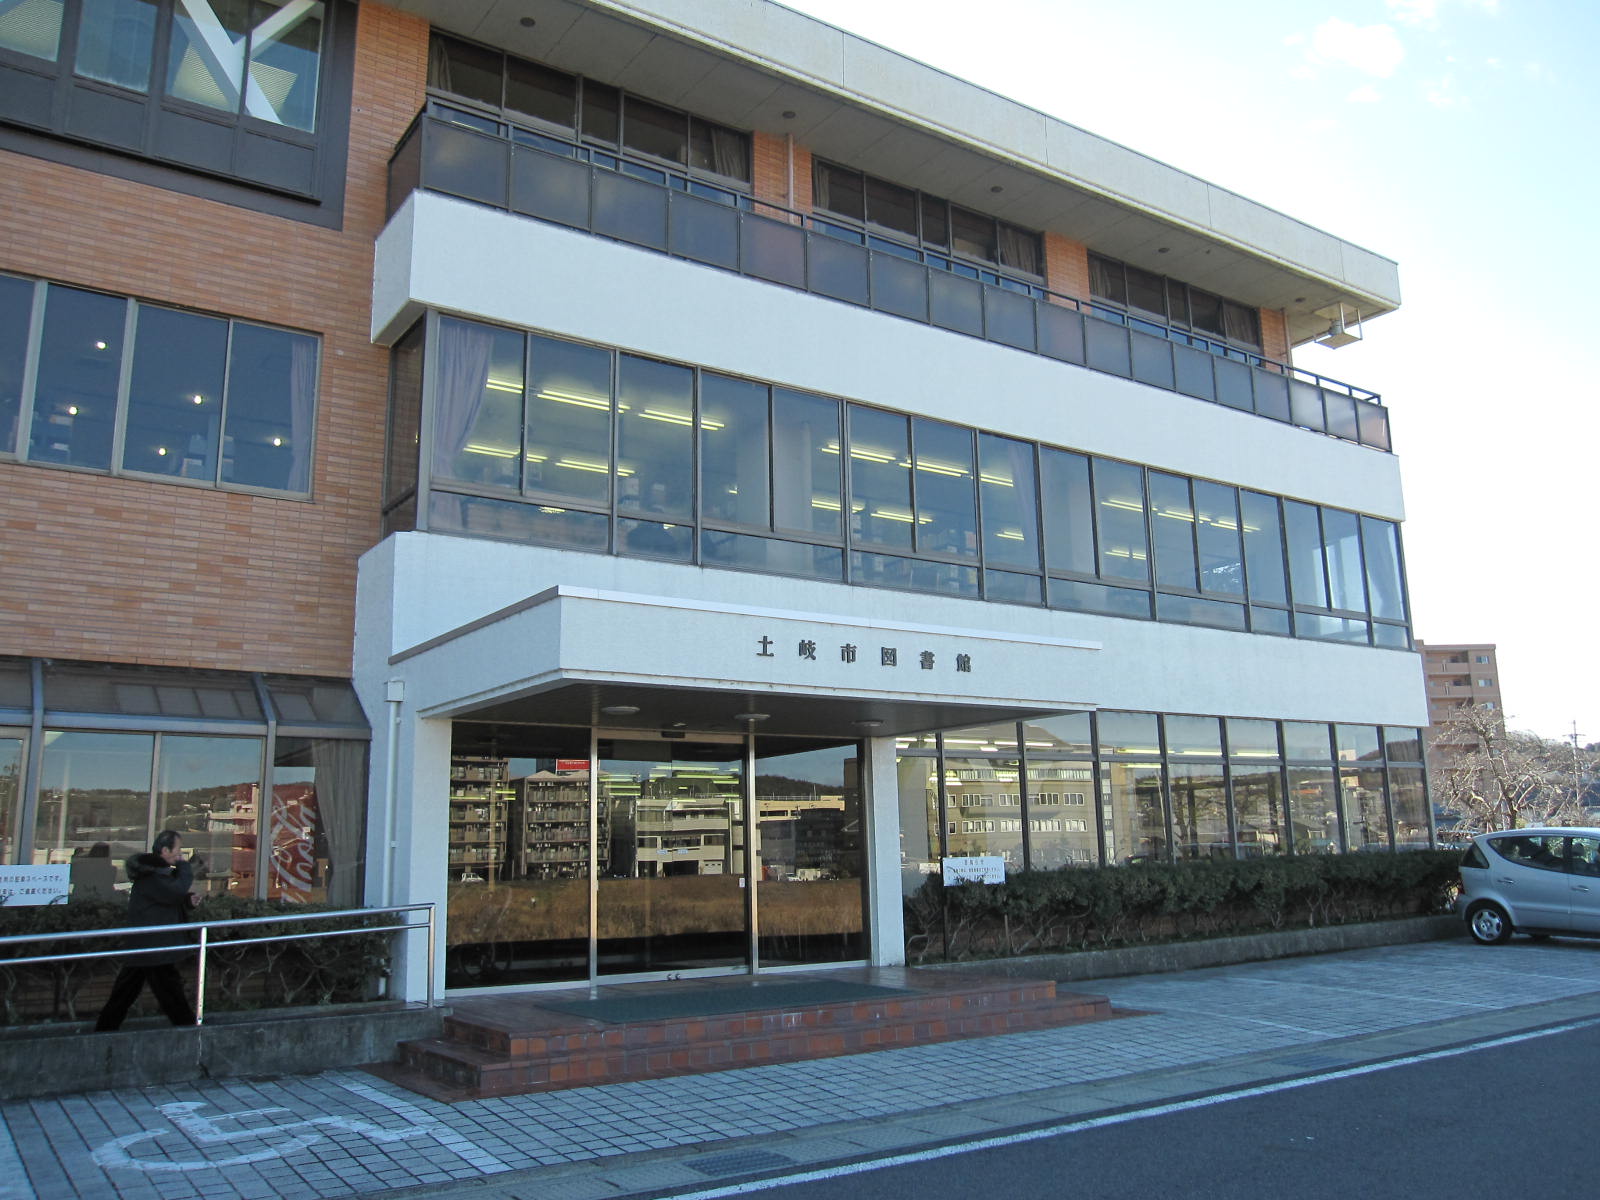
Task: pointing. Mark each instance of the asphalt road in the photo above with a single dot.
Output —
(1507, 1120)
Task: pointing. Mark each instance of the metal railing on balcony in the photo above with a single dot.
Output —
(627, 200)
(204, 943)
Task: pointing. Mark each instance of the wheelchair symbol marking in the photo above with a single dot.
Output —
(287, 1138)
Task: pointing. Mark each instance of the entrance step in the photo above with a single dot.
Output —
(512, 1044)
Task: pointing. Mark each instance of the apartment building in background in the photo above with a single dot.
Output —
(1457, 676)
(659, 479)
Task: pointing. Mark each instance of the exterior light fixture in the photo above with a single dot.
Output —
(620, 710)
(751, 716)
(869, 723)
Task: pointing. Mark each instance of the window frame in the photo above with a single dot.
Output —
(21, 451)
(65, 117)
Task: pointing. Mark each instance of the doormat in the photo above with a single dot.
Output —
(717, 1001)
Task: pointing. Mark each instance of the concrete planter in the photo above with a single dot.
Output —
(1213, 952)
(288, 1042)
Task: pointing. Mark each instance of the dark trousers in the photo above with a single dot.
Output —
(166, 985)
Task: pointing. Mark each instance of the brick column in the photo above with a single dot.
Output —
(1066, 266)
(770, 173)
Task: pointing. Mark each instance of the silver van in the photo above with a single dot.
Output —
(1533, 881)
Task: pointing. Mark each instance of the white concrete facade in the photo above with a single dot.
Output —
(451, 626)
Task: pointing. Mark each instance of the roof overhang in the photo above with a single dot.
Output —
(851, 100)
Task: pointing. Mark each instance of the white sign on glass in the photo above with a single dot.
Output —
(34, 885)
(976, 868)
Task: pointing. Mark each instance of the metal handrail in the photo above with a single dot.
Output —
(434, 109)
(204, 944)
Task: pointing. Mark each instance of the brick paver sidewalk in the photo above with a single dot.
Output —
(345, 1133)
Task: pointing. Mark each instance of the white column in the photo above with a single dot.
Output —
(881, 804)
(421, 833)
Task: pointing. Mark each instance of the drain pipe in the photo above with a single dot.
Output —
(394, 694)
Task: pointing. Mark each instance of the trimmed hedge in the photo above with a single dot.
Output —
(242, 977)
(1041, 912)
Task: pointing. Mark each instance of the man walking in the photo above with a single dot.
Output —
(161, 896)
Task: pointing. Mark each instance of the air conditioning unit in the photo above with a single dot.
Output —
(1344, 326)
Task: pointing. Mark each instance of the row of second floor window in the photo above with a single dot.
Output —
(1175, 305)
(533, 438)
(591, 112)
(935, 225)
(108, 383)
(1142, 787)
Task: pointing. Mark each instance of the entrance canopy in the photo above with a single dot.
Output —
(580, 656)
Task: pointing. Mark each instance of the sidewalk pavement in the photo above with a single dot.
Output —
(345, 1133)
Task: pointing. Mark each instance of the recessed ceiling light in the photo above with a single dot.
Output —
(997, 189)
(620, 710)
(789, 114)
(1163, 249)
(527, 22)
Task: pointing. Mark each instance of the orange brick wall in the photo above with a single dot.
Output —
(1274, 334)
(770, 172)
(1066, 266)
(132, 571)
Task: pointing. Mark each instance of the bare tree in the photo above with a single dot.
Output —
(1499, 778)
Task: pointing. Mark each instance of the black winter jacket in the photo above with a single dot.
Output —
(160, 896)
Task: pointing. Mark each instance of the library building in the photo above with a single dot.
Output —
(661, 482)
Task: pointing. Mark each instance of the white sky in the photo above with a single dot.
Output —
(1457, 137)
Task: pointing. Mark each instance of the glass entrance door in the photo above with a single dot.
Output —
(811, 848)
(671, 892)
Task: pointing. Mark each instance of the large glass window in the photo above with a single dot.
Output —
(1385, 592)
(934, 507)
(807, 493)
(316, 822)
(32, 27)
(1200, 809)
(259, 58)
(600, 114)
(1172, 523)
(1135, 820)
(115, 42)
(880, 477)
(1216, 517)
(1061, 813)
(1119, 508)
(734, 447)
(198, 398)
(1173, 302)
(1068, 512)
(209, 790)
(1010, 502)
(947, 512)
(16, 308)
(95, 789)
(569, 421)
(655, 444)
(983, 808)
(919, 219)
(175, 394)
(478, 434)
(1263, 548)
(11, 749)
(80, 363)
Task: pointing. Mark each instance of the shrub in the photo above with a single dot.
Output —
(239, 976)
(1090, 908)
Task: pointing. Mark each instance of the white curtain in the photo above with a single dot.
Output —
(464, 353)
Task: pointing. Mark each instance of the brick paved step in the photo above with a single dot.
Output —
(509, 1045)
